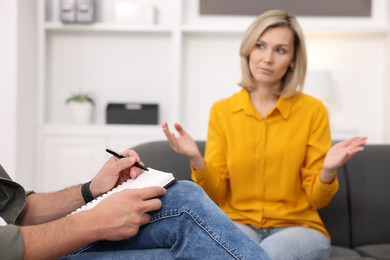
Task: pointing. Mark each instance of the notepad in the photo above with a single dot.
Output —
(149, 178)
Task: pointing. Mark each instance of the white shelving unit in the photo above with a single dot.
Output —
(114, 62)
(184, 63)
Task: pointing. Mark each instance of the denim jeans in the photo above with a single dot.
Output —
(290, 243)
(188, 226)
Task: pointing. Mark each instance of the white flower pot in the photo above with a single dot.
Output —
(81, 113)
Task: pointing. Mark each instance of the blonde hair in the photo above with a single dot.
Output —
(294, 78)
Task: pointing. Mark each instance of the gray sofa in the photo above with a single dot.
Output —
(358, 217)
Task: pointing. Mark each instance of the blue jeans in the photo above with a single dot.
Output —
(290, 243)
(188, 226)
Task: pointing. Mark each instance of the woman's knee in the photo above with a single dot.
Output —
(297, 243)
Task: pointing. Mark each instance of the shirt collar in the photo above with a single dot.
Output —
(243, 103)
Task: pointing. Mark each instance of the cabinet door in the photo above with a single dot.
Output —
(70, 160)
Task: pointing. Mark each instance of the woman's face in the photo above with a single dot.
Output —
(272, 56)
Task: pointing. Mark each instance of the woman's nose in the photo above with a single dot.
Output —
(268, 56)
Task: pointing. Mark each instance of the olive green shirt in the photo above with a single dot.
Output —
(12, 201)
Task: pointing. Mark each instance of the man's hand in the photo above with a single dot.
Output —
(121, 215)
(114, 172)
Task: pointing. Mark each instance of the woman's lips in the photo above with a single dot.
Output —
(265, 71)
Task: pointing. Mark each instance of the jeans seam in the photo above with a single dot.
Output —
(84, 248)
(200, 223)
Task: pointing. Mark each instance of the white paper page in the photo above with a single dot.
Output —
(2, 222)
(149, 178)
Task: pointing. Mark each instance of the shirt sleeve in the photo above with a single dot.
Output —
(318, 145)
(11, 245)
(214, 177)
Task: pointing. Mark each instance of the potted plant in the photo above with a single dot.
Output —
(81, 105)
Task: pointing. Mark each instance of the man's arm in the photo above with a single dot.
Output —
(117, 217)
(41, 208)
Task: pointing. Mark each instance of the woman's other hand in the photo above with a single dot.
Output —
(339, 154)
(184, 144)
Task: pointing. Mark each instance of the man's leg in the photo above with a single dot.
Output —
(191, 226)
(149, 254)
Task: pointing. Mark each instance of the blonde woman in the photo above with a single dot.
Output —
(268, 162)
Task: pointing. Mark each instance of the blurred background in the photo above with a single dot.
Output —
(164, 60)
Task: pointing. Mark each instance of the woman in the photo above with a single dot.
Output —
(268, 162)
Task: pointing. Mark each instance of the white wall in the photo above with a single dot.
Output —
(357, 64)
(212, 71)
(8, 84)
(18, 89)
(26, 125)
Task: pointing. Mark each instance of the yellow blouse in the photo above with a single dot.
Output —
(265, 171)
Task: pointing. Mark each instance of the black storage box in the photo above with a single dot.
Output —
(132, 113)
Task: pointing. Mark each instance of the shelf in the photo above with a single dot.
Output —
(345, 30)
(309, 29)
(212, 29)
(107, 27)
(100, 130)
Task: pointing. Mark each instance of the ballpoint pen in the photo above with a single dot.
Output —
(117, 155)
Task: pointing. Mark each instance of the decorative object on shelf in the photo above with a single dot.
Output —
(81, 106)
(132, 113)
(134, 12)
(68, 11)
(78, 11)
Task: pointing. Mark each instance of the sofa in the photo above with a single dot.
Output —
(357, 218)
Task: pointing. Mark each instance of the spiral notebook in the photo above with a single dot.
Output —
(149, 178)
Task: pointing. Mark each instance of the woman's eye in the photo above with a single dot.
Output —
(260, 46)
(280, 50)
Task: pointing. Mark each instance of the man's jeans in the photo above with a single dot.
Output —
(189, 226)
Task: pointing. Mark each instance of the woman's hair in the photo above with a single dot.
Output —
(295, 77)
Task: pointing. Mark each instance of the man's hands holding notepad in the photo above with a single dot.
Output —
(123, 172)
(122, 214)
(123, 194)
(115, 171)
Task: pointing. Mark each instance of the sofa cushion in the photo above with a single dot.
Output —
(368, 176)
(159, 155)
(336, 214)
(352, 258)
(340, 252)
(381, 251)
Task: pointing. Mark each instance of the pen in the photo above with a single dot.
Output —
(117, 155)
